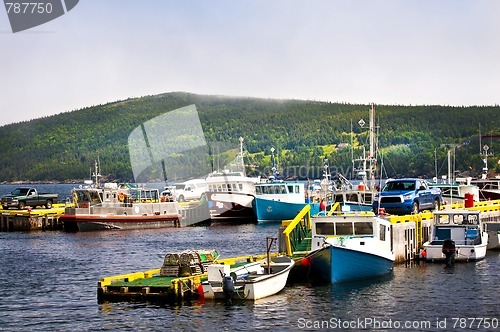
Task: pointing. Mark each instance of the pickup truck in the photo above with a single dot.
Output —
(26, 196)
(407, 196)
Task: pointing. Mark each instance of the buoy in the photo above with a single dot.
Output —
(322, 206)
(423, 254)
(200, 291)
(305, 261)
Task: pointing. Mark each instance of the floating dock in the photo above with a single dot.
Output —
(151, 286)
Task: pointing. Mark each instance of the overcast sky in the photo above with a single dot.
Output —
(406, 52)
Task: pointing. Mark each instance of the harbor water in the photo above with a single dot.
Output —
(49, 283)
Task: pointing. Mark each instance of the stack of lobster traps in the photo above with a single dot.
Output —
(187, 263)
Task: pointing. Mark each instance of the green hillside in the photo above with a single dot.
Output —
(63, 147)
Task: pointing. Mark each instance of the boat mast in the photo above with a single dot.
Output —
(372, 146)
(241, 156)
(96, 175)
(368, 163)
(274, 165)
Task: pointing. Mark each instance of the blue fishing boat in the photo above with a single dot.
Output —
(350, 247)
(277, 200)
(280, 200)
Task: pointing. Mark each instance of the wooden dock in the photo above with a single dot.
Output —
(150, 286)
(31, 219)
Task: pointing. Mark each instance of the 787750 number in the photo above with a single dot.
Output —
(28, 7)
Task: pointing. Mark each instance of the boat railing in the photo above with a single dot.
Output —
(298, 230)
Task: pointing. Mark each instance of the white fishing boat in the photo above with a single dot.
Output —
(457, 235)
(230, 194)
(251, 281)
(350, 247)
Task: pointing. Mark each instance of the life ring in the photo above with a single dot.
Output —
(121, 197)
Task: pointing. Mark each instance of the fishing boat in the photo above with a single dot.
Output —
(457, 192)
(350, 247)
(489, 188)
(251, 281)
(358, 195)
(277, 200)
(230, 194)
(117, 206)
(456, 235)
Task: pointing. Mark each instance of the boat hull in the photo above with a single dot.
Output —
(231, 206)
(338, 264)
(255, 286)
(464, 253)
(82, 223)
(271, 210)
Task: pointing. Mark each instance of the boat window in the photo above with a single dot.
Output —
(442, 234)
(472, 219)
(458, 219)
(240, 186)
(282, 189)
(352, 198)
(338, 198)
(367, 197)
(363, 228)
(324, 228)
(297, 189)
(290, 189)
(235, 187)
(258, 190)
(343, 228)
(382, 230)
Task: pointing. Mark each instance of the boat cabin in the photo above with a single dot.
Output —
(349, 227)
(461, 226)
(112, 195)
(292, 192)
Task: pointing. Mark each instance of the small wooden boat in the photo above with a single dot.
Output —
(251, 281)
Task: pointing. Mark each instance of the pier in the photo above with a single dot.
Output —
(31, 219)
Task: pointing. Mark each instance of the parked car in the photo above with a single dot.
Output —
(190, 190)
(405, 196)
(26, 196)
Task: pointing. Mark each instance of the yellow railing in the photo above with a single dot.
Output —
(298, 229)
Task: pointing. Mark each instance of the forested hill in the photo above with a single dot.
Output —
(63, 147)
